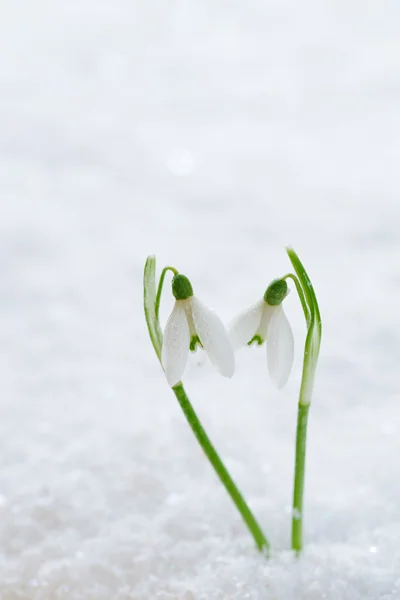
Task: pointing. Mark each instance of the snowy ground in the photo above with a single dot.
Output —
(210, 133)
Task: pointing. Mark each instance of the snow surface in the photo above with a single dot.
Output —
(210, 133)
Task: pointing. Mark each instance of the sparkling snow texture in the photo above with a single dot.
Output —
(210, 133)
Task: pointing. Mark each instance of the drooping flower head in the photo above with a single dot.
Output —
(266, 321)
(192, 324)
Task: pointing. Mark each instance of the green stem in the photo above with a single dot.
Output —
(151, 307)
(311, 352)
(307, 383)
(160, 287)
(298, 493)
(226, 480)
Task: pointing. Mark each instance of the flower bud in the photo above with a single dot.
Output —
(181, 287)
(276, 292)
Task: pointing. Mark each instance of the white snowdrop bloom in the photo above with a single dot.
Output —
(191, 323)
(266, 321)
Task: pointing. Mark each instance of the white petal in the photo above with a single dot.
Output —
(280, 347)
(267, 312)
(176, 342)
(214, 337)
(245, 325)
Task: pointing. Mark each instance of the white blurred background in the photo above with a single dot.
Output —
(211, 134)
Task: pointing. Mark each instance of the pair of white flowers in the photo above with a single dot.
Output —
(191, 324)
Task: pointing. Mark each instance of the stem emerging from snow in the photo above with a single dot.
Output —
(225, 478)
(311, 353)
(299, 472)
(151, 309)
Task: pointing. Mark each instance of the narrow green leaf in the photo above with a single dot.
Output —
(149, 298)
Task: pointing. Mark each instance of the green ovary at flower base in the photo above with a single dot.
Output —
(192, 323)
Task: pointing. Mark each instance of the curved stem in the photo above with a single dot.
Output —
(300, 295)
(226, 480)
(160, 287)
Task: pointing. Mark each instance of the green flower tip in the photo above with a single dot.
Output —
(194, 342)
(256, 339)
(276, 292)
(181, 287)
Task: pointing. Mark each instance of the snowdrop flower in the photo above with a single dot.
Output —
(191, 324)
(266, 320)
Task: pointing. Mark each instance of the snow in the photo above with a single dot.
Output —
(210, 134)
